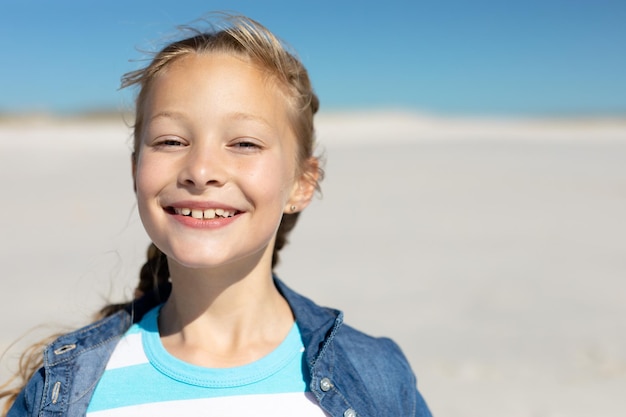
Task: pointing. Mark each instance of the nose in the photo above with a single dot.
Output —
(202, 167)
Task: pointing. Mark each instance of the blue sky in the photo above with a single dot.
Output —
(551, 57)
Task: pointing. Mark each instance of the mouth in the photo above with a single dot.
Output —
(203, 214)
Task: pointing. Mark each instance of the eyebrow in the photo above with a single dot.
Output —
(234, 115)
(167, 114)
(249, 117)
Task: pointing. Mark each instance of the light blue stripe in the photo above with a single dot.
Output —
(141, 384)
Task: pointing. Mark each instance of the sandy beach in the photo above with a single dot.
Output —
(492, 251)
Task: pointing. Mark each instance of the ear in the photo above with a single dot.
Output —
(133, 163)
(304, 187)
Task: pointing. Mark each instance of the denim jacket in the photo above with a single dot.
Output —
(351, 374)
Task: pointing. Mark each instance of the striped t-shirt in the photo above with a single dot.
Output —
(142, 379)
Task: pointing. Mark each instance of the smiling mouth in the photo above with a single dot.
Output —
(203, 214)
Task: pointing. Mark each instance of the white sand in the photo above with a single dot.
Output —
(494, 252)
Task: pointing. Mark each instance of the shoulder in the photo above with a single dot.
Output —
(375, 354)
(377, 360)
(349, 368)
(324, 327)
(91, 337)
(321, 325)
(28, 401)
(380, 365)
(96, 335)
(71, 365)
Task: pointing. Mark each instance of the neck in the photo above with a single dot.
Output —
(224, 316)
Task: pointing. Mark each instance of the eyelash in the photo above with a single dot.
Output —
(247, 145)
(168, 143)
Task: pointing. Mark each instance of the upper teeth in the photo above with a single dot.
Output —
(204, 214)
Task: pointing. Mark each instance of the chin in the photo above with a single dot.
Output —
(214, 260)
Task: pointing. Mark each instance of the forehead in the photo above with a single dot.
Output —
(210, 86)
(227, 74)
(217, 82)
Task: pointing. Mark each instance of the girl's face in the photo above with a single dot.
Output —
(216, 166)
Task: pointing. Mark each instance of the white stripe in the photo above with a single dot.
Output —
(128, 352)
(270, 405)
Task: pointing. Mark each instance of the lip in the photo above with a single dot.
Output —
(188, 221)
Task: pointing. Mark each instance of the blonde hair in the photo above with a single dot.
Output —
(243, 37)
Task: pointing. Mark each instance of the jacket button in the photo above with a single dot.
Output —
(65, 348)
(325, 384)
(349, 413)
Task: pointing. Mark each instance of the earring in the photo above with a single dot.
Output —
(293, 208)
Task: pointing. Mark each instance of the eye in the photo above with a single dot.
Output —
(168, 142)
(246, 145)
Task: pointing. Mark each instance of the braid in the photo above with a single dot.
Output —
(154, 273)
(287, 223)
(153, 280)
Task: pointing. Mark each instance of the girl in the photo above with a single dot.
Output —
(222, 166)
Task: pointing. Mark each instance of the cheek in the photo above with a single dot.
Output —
(147, 178)
(274, 179)
(140, 182)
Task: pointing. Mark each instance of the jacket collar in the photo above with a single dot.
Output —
(317, 324)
